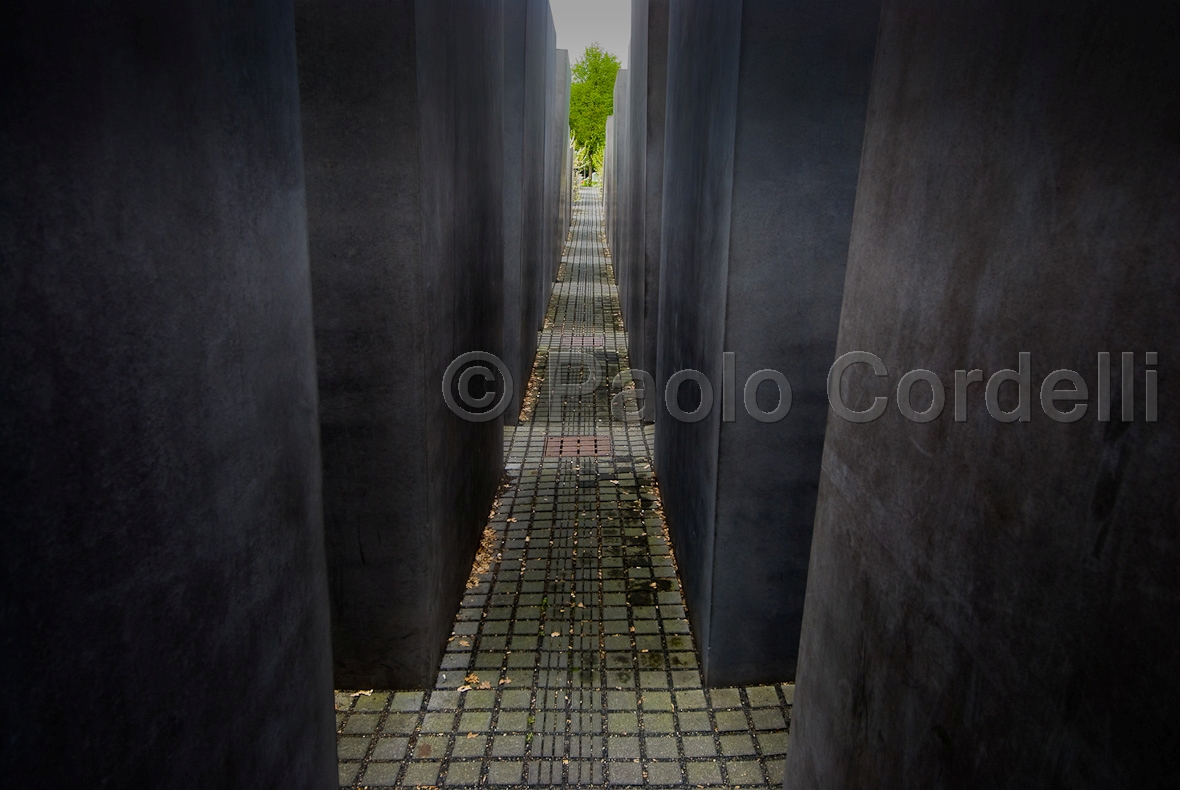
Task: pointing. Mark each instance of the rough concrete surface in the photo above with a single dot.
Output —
(645, 178)
(402, 109)
(163, 598)
(527, 108)
(994, 604)
(762, 153)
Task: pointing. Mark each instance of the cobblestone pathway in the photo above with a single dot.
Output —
(571, 661)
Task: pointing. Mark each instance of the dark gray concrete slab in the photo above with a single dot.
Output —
(645, 178)
(556, 121)
(618, 214)
(617, 207)
(995, 604)
(566, 198)
(765, 115)
(526, 111)
(608, 187)
(163, 599)
(402, 108)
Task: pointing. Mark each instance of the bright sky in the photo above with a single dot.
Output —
(580, 23)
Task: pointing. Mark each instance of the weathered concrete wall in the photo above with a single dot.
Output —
(555, 121)
(402, 108)
(995, 604)
(526, 112)
(163, 599)
(608, 156)
(648, 66)
(765, 116)
(562, 109)
(617, 207)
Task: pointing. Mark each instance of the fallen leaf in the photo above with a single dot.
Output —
(486, 684)
(555, 633)
(471, 735)
(461, 689)
(505, 680)
(471, 678)
(464, 643)
(368, 693)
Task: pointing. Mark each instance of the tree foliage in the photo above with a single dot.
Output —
(592, 100)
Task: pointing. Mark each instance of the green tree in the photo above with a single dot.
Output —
(591, 100)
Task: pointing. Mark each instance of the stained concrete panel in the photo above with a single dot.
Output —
(648, 67)
(618, 211)
(163, 599)
(402, 109)
(526, 113)
(608, 157)
(554, 141)
(995, 604)
(765, 116)
(562, 110)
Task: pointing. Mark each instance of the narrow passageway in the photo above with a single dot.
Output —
(571, 661)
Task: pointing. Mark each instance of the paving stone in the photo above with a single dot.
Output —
(622, 748)
(381, 774)
(699, 746)
(407, 701)
(661, 746)
(622, 722)
(391, 748)
(400, 723)
(508, 745)
(352, 748)
(704, 774)
(462, 772)
(772, 742)
(737, 745)
(443, 700)
(466, 746)
(512, 722)
(361, 723)
(348, 772)
(657, 701)
(621, 700)
(731, 720)
(430, 747)
(626, 773)
(421, 774)
(374, 702)
(768, 719)
(505, 772)
(664, 773)
(695, 721)
(475, 721)
(438, 721)
(516, 698)
(659, 722)
(725, 698)
(762, 696)
(479, 700)
(744, 773)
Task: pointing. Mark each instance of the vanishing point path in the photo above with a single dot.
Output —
(571, 661)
